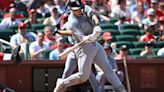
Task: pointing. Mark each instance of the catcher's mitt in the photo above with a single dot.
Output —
(16, 56)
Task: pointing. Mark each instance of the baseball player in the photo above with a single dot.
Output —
(83, 24)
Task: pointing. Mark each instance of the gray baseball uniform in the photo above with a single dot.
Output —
(87, 53)
(71, 64)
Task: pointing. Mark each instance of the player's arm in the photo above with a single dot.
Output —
(96, 30)
(65, 32)
(94, 18)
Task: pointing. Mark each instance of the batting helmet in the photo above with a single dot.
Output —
(76, 4)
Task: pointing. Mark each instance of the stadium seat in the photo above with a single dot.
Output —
(155, 50)
(38, 15)
(112, 31)
(23, 19)
(135, 51)
(139, 44)
(113, 20)
(142, 31)
(114, 39)
(40, 30)
(23, 12)
(30, 30)
(160, 44)
(1, 19)
(6, 34)
(14, 27)
(155, 57)
(46, 53)
(129, 26)
(36, 27)
(109, 26)
(120, 43)
(126, 38)
(137, 56)
(130, 32)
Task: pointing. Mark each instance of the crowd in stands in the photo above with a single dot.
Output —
(133, 28)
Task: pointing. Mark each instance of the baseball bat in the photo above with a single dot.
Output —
(70, 49)
(8, 43)
(127, 75)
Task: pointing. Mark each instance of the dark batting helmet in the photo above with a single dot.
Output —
(76, 4)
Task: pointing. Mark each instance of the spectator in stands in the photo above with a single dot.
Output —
(12, 11)
(64, 19)
(107, 37)
(149, 35)
(42, 9)
(32, 19)
(134, 6)
(138, 14)
(161, 52)
(6, 23)
(37, 47)
(101, 7)
(34, 4)
(114, 47)
(161, 26)
(121, 9)
(155, 5)
(54, 55)
(49, 4)
(150, 19)
(60, 5)
(161, 9)
(53, 19)
(122, 20)
(148, 50)
(123, 53)
(20, 6)
(22, 37)
(161, 38)
(49, 37)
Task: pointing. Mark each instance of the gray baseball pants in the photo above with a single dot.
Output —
(91, 53)
(71, 64)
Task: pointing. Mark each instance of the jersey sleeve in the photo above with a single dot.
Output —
(88, 10)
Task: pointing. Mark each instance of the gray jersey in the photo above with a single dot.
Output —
(81, 25)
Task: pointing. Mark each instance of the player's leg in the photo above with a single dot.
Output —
(101, 80)
(70, 65)
(102, 61)
(85, 61)
(94, 82)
